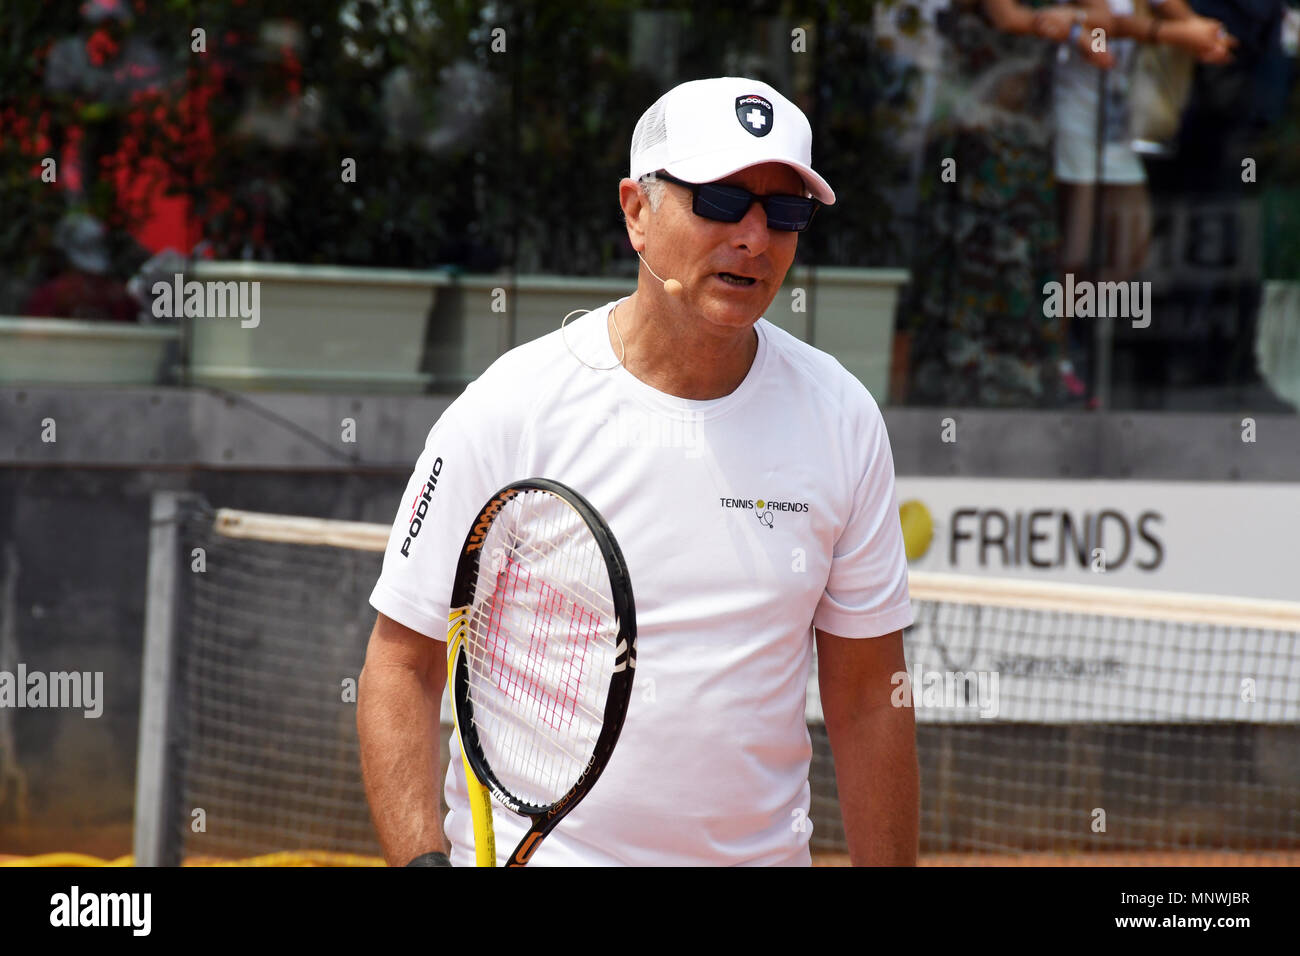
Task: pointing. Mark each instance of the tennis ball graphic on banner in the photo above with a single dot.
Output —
(918, 528)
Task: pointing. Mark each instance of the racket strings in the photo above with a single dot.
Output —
(544, 679)
(543, 670)
(541, 646)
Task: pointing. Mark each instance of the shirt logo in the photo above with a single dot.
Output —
(765, 509)
(755, 114)
(420, 507)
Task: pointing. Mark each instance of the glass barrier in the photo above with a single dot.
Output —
(1062, 206)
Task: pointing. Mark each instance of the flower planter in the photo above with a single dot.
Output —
(73, 352)
(320, 328)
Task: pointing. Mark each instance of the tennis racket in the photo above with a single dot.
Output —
(541, 650)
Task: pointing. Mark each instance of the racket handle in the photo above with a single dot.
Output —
(480, 807)
(480, 801)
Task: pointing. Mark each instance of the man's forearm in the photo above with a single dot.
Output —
(878, 779)
(397, 722)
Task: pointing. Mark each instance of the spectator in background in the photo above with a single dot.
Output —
(1233, 101)
(1092, 150)
(83, 289)
(987, 239)
(1234, 111)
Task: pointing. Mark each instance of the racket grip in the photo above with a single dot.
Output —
(480, 806)
(431, 859)
(480, 801)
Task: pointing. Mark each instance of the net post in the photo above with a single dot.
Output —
(156, 842)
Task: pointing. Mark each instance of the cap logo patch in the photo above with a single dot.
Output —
(754, 113)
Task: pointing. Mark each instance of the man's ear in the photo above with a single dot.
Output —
(636, 208)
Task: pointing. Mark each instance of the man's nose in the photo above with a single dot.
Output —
(751, 232)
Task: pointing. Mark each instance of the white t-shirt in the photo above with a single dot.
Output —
(712, 764)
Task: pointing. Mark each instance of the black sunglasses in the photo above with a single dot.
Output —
(731, 203)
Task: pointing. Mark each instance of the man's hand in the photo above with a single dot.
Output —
(874, 745)
(431, 859)
(398, 700)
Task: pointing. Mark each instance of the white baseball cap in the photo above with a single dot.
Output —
(705, 130)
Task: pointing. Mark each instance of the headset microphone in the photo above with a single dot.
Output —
(671, 286)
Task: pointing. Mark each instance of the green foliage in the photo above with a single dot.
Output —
(59, 90)
(465, 157)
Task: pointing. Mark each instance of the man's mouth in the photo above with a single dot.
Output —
(732, 279)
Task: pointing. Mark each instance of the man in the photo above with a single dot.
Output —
(749, 481)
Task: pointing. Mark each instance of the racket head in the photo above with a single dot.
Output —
(543, 609)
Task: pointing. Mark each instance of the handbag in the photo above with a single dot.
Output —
(1162, 84)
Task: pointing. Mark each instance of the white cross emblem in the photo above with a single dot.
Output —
(755, 119)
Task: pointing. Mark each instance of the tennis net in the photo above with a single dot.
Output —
(1054, 723)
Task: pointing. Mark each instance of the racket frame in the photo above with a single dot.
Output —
(480, 776)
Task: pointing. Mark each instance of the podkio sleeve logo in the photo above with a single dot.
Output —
(420, 507)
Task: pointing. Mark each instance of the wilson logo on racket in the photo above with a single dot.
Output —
(480, 530)
(508, 801)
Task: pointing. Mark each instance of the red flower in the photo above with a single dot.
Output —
(100, 47)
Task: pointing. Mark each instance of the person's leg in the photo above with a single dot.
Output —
(1126, 209)
(1075, 212)
(1074, 204)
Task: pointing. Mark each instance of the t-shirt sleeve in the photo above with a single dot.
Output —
(866, 591)
(453, 478)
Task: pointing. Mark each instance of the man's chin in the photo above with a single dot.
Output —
(738, 311)
(731, 317)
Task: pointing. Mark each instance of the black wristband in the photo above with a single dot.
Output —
(431, 859)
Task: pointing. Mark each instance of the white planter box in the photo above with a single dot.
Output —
(481, 334)
(850, 314)
(320, 328)
(73, 352)
(1277, 343)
